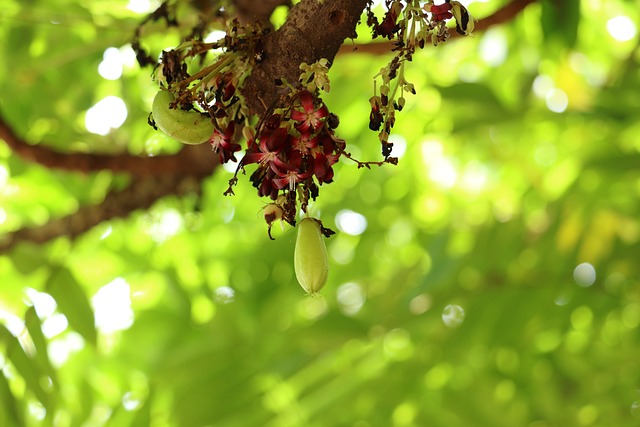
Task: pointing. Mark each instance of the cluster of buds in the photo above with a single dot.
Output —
(411, 25)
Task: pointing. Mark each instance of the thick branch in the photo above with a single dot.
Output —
(313, 30)
(154, 177)
(501, 16)
(141, 194)
(191, 160)
(251, 11)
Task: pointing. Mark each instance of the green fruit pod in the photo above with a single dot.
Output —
(311, 262)
(188, 127)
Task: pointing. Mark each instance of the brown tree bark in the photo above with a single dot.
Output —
(141, 194)
(191, 160)
(313, 30)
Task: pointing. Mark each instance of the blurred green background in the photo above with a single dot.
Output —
(490, 279)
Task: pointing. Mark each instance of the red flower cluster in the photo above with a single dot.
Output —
(294, 148)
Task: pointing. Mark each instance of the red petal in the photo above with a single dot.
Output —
(306, 99)
(322, 112)
(299, 116)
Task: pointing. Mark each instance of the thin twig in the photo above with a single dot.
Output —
(501, 16)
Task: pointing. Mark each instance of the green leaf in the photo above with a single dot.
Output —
(28, 368)
(138, 417)
(27, 258)
(618, 164)
(560, 21)
(142, 416)
(10, 415)
(34, 326)
(73, 302)
(85, 402)
(475, 104)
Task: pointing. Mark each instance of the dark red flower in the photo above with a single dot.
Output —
(228, 90)
(272, 123)
(268, 149)
(389, 26)
(329, 147)
(262, 179)
(291, 172)
(322, 168)
(222, 143)
(310, 119)
(304, 143)
(225, 87)
(441, 12)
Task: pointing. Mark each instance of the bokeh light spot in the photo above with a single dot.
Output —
(493, 47)
(621, 28)
(44, 303)
(351, 298)
(108, 113)
(587, 415)
(542, 84)
(581, 318)
(111, 66)
(404, 414)
(505, 390)
(202, 309)
(420, 304)
(397, 345)
(351, 222)
(584, 275)
(112, 306)
(140, 6)
(399, 145)
(438, 376)
(453, 315)
(557, 100)
(224, 295)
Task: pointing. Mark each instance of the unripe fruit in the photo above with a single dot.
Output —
(310, 256)
(188, 127)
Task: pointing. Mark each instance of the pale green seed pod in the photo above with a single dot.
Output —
(310, 256)
(188, 127)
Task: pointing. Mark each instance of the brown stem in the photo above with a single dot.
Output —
(141, 194)
(191, 160)
(501, 16)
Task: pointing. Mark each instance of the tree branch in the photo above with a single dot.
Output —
(251, 11)
(191, 160)
(312, 31)
(154, 177)
(141, 194)
(501, 16)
